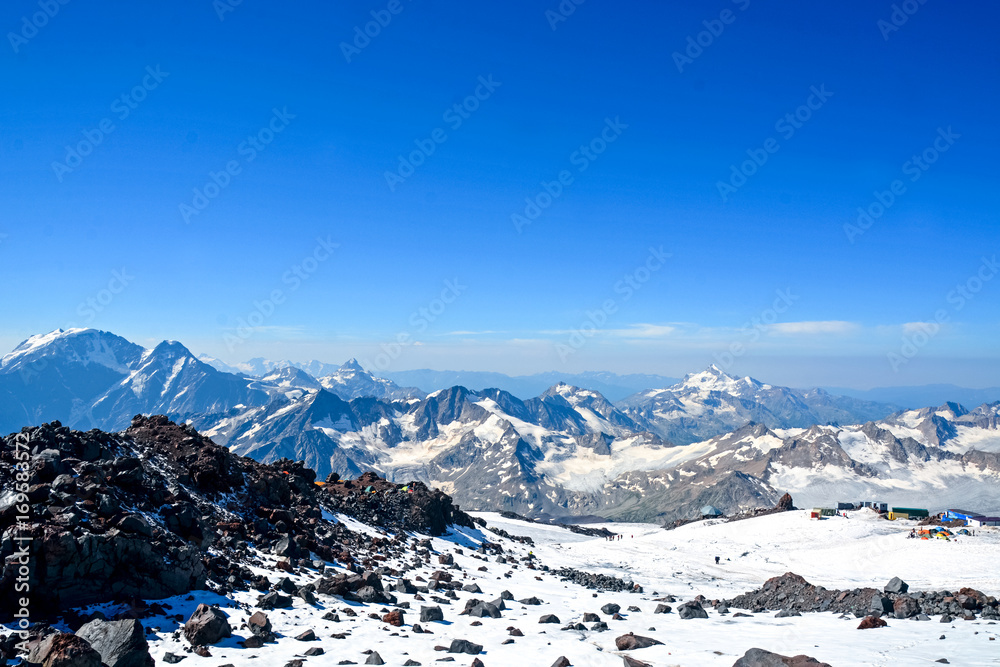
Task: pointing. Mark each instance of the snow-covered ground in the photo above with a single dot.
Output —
(836, 553)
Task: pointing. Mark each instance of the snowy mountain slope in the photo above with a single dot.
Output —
(352, 381)
(712, 402)
(88, 378)
(819, 466)
(170, 380)
(61, 374)
(489, 449)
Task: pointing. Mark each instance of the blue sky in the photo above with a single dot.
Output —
(649, 256)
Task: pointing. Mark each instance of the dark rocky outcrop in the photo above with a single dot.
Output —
(378, 502)
(86, 548)
(793, 593)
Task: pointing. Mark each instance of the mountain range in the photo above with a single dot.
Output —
(658, 454)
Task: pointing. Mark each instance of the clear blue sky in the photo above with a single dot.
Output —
(522, 289)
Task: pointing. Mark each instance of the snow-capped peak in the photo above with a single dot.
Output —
(78, 345)
(352, 365)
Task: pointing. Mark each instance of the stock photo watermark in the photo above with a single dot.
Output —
(122, 107)
(455, 116)
(917, 335)
(263, 309)
(581, 158)
(915, 167)
(248, 149)
(223, 7)
(419, 320)
(900, 14)
(363, 35)
(697, 43)
(30, 25)
(562, 12)
(595, 320)
(756, 326)
(94, 305)
(786, 126)
(22, 537)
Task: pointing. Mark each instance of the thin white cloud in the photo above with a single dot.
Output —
(643, 330)
(813, 328)
(925, 327)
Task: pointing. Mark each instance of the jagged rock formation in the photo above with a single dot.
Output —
(132, 515)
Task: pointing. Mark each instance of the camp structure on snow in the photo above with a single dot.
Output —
(980, 521)
(960, 515)
(907, 513)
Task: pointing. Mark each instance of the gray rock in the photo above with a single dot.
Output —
(758, 657)
(896, 585)
(120, 643)
(428, 614)
(690, 610)
(465, 646)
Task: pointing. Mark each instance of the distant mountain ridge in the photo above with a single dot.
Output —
(613, 386)
(711, 438)
(711, 402)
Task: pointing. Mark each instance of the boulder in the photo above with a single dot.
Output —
(484, 610)
(905, 607)
(758, 657)
(611, 608)
(274, 600)
(562, 661)
(64, 650)
(870, 622)
(662, 609)
(880, 605)
(785, 504)
(259, 624)
(394, 618)
(549, 618)
(120, 643)
(896, 585)
(631, 641)
(465, 646)
(207, 626)
(690, 610)
(428, 614)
